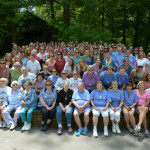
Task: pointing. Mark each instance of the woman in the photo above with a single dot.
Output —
(42, 61)
(69, 67)
(23, 58)
(87, 58)
(82, 67)
(148, 63)
(8, 59)
(130, 101)
(54, 77)
(94, 57)
(17, 58)
(132, 60)
(108, 62)
(100, 101)
(122, 78)
(60, 62)
(142, 106)
(27, 53)
(101, 54)
(90, 78)
(45, 72)
(82, 51)
(46, 104)
(60, 82)
(138, 75)
(67, 57)
(98, 66)
(28, 103)
(81, 100)
(135, 53)
(107, 77)
(51, 62)
(4, 90)
(115, 106)
(147, 81)
(64, 104)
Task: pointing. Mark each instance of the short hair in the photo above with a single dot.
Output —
(81, 83)
(122, 68)
(114, 82)
(32, 55)
(141, 82)
(109, 67)
(90, 67)
(17, 63)
(125, 59)
(129, 84)
(24, 68)
(99, 82)
(50, 82)
(14, 82)
(4, 80)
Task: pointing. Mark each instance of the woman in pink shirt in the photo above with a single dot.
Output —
(51, 63)
(142, 106)
(147, 82)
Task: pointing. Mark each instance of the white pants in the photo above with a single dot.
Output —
(115, 115)
(7, 111)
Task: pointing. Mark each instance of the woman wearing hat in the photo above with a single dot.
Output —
(28, 103)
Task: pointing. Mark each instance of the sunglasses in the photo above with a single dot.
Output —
(140, 66)
(75, 74)
(58, 54)
(77, 52)
(63, 73)
(48, 84)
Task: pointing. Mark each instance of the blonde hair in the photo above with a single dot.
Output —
(114, 82)
(84, 67)
(141, 82)
(3, 80)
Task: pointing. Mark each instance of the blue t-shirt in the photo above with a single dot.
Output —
(100, 98)
(53, 79)
(88, 61)
(107, 79)
(119, 59)
(24, 61)
(122, 80)
(132, 59)
(112, 63)
(116, 97)
(130, 98)
(81, 98)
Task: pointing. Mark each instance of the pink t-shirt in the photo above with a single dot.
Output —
(142, 99)
(50, 66)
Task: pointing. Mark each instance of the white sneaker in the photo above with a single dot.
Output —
(138, 127)
(13, 126)
(106, 131)
(118, 129)
(28, 127)
(1, 124)
(8, 126)
(24, 126)
(114, 128)
(95, 133)
(4, 124)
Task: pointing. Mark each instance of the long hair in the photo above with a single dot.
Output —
(84, 67)
(72, 65)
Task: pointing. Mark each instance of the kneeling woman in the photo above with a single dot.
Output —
(46, 104)
(116, 104)
(64, 105)
(100, 102)
(28, 105)
(130, 100)
(81, 100)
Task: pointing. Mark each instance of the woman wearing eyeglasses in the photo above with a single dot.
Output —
(46, 104)
(29, 104)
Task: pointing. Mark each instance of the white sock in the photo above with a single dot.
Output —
(95, 128)
(105, 127)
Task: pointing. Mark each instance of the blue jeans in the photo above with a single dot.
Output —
(27, 117)
(68, 114)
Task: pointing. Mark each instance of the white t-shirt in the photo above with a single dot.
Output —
(148, 62)
(60, 83)
(74, 83)
(68, 68)
(29, 77)
(33, 66)
(142, 62)
(39, 55)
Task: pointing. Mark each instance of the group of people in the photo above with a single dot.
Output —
(75, 78)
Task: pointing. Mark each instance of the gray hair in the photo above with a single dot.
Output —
(14, 82)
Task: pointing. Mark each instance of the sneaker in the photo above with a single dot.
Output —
(136, 133)
(146, 133)
(79, 132)
(95, 134)
(138, 127)
(45, 127)
(42, 127)
(24, 126)
(13, 126)
(70, 130)
(118, 129)
(85, 130)
(8, 126)
(130, 129)
(59, 131)
(1, 124)
(114, 128)
(4, 124)
(105, 131)
(28, 127)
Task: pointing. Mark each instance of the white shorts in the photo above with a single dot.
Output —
(99, 111)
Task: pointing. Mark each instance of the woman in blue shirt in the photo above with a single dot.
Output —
(122, 78)
(107, 77)
(28, 103)
(87, 58)
(100, 102)
(130, 100)
(46, 104)
(81, 100)
(132, 59)
(115, 106)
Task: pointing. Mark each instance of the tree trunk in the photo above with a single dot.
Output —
(52, 9)
(66, 13)
(103, 16)
(124, 23)
(13, 34)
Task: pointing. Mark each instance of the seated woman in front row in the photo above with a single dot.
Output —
(64, 105)
(81, 100)
(100, 101)
(28, 103)
(46, 104)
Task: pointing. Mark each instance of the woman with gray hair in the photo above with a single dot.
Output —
(14, 97)
(90, 78)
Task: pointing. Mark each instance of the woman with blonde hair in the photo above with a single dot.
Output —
(8, 59)
(82, 67)
(17, 58)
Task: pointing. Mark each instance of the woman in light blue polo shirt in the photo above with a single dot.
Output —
(46, 104)
(115, 106)
(81, 100)
(100, 102)
(130, 100)
(29, 104)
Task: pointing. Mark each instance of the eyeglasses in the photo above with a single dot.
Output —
(140, 66)
(48, 84)
(90, 69)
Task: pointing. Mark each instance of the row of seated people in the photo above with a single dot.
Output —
(52, 101)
